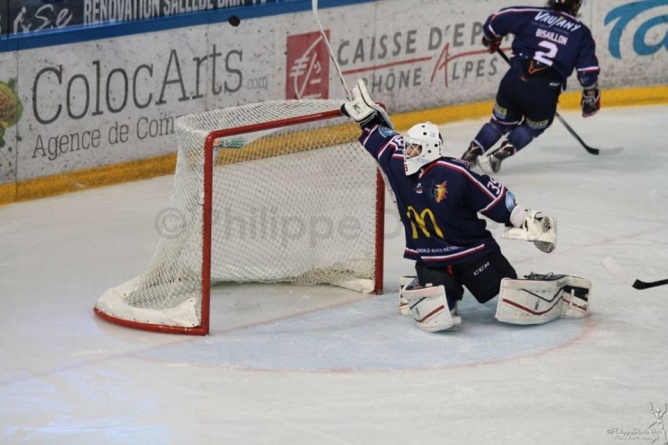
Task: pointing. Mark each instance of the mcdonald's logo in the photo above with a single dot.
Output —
(418, 220)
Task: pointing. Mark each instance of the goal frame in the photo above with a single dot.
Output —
(207, 224)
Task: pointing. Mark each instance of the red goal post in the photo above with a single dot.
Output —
(273, 192)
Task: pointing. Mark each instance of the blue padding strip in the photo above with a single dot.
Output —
(106, 31)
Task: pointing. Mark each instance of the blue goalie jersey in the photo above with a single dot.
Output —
(556, 39)
(439, 205)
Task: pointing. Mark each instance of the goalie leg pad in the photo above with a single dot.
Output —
(539, 299)
(575, 301)
(429, 308)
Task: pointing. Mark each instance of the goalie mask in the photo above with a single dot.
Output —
(569, 6)
(423, 146)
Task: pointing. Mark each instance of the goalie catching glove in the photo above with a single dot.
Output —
(531, 225)
(362, 109)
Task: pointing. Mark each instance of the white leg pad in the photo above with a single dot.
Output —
(575, 300)
(528, 301)
(429, 308)
(540, 299)
(404, 281)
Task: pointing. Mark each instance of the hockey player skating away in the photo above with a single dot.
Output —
(439, 199)
(549, 43)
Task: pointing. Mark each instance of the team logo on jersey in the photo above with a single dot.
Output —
(440, 191)
(418, 189)
(385, 131)
(419, 221)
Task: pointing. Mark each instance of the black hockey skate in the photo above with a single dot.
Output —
(471, 154)
(491, 163)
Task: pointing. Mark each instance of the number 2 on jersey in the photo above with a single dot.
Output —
(546, 57)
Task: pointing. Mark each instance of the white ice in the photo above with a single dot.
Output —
(323, 366)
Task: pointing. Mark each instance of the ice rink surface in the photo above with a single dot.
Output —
(307, 366)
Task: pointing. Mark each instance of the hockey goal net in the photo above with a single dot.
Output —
(275, 192)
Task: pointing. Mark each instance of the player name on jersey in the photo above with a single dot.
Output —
(552, 36)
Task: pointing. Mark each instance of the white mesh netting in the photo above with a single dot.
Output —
(291, 204)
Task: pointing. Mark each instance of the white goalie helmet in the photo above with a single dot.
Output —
(423, 146)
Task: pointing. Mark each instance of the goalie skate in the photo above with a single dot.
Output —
(406, 280)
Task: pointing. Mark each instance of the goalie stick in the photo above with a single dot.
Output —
(590, 150)
(314, 7)
(614, 268)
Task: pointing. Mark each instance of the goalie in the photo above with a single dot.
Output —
(438, 199)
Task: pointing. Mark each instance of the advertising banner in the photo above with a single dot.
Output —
(432, 56)
(115, 99)
(30, 16)
(111, 101)
(633, 41)
(11, 111)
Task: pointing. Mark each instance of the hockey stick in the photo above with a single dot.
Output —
(614, 268)
(314, 6)
(590, 150)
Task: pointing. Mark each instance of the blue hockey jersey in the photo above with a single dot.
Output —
(555, 39)
(439, 204)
